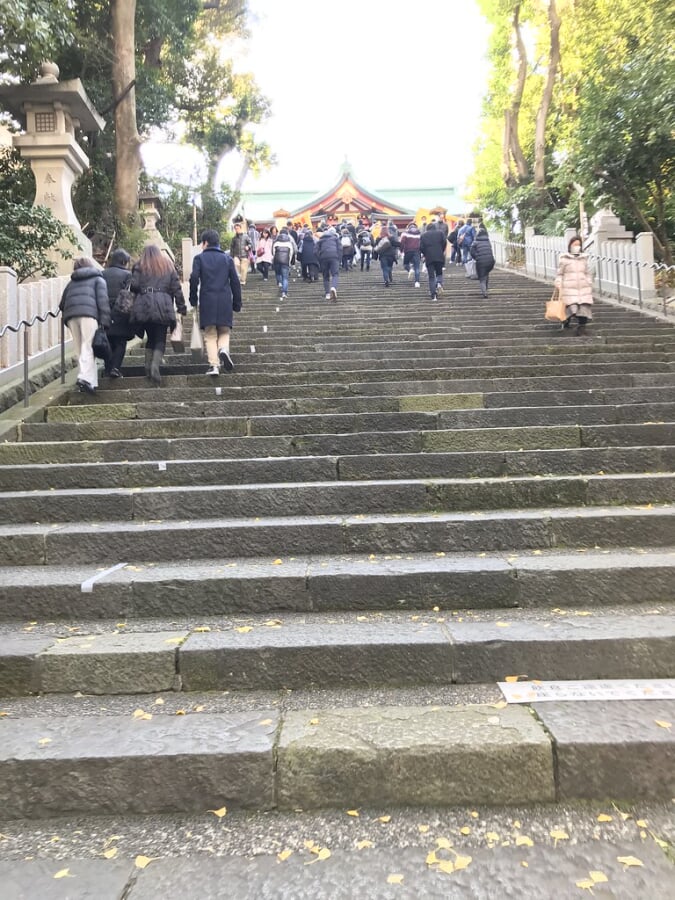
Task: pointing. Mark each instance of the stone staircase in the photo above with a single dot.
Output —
(297, 586)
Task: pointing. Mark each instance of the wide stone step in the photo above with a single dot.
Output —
(49, 476)
(316, 651)
(336, 757)
(292, 421)
(511, 530)
(213, 501)
(181, 589)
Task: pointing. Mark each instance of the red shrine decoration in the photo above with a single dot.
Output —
(348, 200)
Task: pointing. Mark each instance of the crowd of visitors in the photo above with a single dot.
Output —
(146, 299)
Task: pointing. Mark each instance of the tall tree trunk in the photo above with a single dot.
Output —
(547, 94)
(507, 173)
(522, 167)
(127, 140)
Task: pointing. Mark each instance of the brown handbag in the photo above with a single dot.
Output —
(555, 308)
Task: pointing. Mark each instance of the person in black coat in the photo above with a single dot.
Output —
(156, 285)
(329, 253)
(309, 261)
(432, 248)
(216, 290)
(84, 305)
(117, 278)
(481, 251)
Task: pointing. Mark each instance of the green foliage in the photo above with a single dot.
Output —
(611, 125)
(30, 237)
(32, 31)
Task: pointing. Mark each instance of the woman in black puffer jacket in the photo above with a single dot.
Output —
(117, 277)
(85, 306)
(155, 282)
(481, 251)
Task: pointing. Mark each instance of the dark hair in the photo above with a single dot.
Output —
(84, 262)
(154, 261)
(211, 237)
(574, 240)
(120, 258)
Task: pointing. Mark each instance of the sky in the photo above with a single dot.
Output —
(398, 95)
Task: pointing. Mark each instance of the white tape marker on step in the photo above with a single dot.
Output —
(87, 586)
(265, 329)
(161, 466)
(219, 391)
(252, 348)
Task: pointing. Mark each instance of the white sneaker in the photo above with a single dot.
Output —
(284, 296)
(333, 294)
(213, 370)
(327, 296)
(225, 360)
(417, 284)
(410, 274)
(439, 290)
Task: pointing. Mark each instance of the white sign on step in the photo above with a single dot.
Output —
(611, 689)
(219, 391)
(161, 466)
(252, 348)
(264, 329)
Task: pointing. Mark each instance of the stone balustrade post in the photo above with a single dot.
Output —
(9, 315)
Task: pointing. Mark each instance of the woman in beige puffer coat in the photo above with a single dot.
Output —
(575, 285)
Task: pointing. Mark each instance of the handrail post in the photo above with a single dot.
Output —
(63, 351)
(25, 367)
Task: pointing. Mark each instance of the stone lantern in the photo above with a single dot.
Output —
(151, 212)
(51, 112)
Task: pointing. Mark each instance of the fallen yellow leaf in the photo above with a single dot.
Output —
(384, 819)
(443, 843)
(110, 854)
(465, 830)
(201, 628)
(522, 840)
(159, 702)
(586, 884)
(219, 812)
(265, 722)
(445, 865)
(423, 829)
(641, 823)
(559, 835)
(363, 845)
(473, 814)
(503, 624)
(516, 823)
(180, 712)
(461, 862)
(432, 859)
(352, 812)
(524, 864)
(394, 879)
(629, 861)
(313, 721)
(663, 724)
(141, 714)
(492, 836)
(512, 678)
(44, 741)
(143, 862)
(598, 877)
(174, 640)
(244, 629)
(283, 856)
(309, 845)
(277, 562)
(63, 873)
(603, 817)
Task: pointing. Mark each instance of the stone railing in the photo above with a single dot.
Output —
(622, 269)
(26, 302)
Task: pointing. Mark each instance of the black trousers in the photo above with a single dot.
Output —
(155, 336)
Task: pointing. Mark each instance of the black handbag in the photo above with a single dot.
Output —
(123, 303)
(101, 345)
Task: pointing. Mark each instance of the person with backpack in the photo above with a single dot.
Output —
(456, 254)
(329, 251)
(347, 245)
(240, 247)
(365, 241)
(465, 238)
(481, 252)
(386, 253)
(410, 245)
(117, 278)
(284, 252)
(309, 261)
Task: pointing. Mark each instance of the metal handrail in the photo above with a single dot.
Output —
(26, 324)
(518, 260)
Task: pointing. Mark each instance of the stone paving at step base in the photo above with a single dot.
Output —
(297, 586)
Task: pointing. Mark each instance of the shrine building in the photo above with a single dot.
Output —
(348, 200)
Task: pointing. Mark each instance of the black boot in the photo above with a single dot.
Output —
(581, 330)
(154, 367)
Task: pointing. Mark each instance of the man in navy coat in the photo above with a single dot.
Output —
(215, 289)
